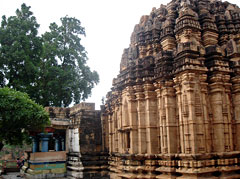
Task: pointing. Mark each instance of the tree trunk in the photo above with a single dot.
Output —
(1, 145)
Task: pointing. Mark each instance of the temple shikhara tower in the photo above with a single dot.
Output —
(174, 109)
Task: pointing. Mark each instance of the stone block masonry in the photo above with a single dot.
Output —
(91, 155)
(174, 109)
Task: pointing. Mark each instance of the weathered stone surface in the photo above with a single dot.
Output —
(92, 156)
(174, 109)
(86, 157)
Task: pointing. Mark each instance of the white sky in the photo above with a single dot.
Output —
(108, 25)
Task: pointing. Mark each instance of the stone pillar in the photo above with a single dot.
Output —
(114, 132)
(206, 123)
(74, 164)
(171, 123)
(161, 119)
(44, 141)
(236, 110)
(120, 125)
(35, 140)
(227, 114)
(132, 121)
(142, 146)
(110, 133)
(57, 144)
(216, 90)
(151, 122)
(189, 82)
(74, 140)
(178, 88)
(63, 144)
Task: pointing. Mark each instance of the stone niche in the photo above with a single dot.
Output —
(174, 108)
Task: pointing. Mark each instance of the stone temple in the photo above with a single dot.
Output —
(174, 109)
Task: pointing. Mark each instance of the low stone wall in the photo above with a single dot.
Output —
(45, 165)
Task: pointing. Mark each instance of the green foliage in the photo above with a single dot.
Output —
(19, 115)
(52, 68)
(65, 62)
(20, 51)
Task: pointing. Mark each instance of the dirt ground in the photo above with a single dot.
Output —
(11, 175)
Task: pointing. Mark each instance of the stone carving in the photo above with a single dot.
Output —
(174, 109)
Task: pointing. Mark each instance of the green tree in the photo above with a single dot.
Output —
(19, 115)
(64, 70)
(52, 68)
(20, 51)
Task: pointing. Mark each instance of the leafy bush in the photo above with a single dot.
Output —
(19, 115)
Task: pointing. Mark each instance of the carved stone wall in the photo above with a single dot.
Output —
(174, 109)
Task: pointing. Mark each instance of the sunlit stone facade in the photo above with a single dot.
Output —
(174, 109)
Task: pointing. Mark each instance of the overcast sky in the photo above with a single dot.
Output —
(108, 25)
